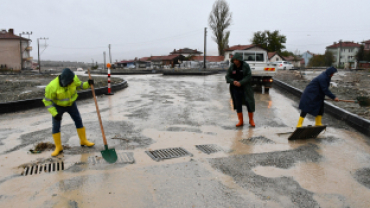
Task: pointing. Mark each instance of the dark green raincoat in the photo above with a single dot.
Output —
(245, 82)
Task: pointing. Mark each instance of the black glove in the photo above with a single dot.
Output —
(58, 117)
(91, 82)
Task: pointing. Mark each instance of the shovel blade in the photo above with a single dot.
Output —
(109, 155)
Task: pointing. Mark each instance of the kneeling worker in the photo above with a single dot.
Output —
(312, 99)
(60, 97)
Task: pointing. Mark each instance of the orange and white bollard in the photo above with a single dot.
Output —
(109, 89)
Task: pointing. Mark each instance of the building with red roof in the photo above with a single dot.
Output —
(366, 45)
(14, 50)
(344, 53)
(186, 52)
(208, 58)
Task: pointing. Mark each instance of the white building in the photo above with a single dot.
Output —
(344, 53)
(14, 51)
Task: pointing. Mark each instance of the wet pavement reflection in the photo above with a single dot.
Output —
(257, 167)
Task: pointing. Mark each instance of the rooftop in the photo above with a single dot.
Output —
(345, 44)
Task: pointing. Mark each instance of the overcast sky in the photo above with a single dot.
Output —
(80, 30)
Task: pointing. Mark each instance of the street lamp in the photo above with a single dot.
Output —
(38, 51)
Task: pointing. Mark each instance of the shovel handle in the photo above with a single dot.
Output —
(97, 110)
(348, 101)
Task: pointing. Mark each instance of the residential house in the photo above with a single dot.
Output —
(274, 57)
(186, 52)
(14, 50)
(170, 60)
(230, 50)
(344, 53)
(295, 61)
(307, 56)
(366, 45)
(208, 58)
(134, 63)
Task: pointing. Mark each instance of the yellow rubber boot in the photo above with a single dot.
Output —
(300, 122)
(58, 144)
(82, 135)
(318, 121)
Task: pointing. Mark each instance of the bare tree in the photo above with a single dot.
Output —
(219, 20)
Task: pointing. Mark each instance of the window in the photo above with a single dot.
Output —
(259, 57)
(277, 59)
(249, 56)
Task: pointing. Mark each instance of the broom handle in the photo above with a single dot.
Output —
(348, 101)
(97, 110)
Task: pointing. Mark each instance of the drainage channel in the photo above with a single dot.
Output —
(168, 153)
(36, 169)
(209, 148)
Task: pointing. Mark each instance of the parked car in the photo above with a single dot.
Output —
(283, 65)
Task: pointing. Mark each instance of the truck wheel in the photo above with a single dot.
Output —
(267, 90)
(284, 68)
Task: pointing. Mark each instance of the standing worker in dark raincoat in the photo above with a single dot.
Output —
(239, 76)
(312, 99)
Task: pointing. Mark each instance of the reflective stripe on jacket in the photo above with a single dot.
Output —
(62, 96)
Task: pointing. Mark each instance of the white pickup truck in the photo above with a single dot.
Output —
(262, 70)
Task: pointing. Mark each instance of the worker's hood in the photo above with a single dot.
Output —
(237, 56)
(66, 77)
(331, 70)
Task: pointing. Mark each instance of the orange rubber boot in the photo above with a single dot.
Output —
(240, 117)
(251, 121)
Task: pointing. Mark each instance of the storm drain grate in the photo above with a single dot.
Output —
(208, 148)
(307, 132)
(43, 168)
(168, 153)
(122, 158)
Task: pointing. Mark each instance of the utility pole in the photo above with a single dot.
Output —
(38, 51)
(104, 60)
(110, 55)
(205, 46)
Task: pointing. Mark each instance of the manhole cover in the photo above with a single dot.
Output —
(122, 158)
(43, 168)
(168, 153)
(307, 132)
(208, 148)
(257, 141)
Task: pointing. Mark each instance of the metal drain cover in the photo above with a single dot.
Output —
(35, 169)
(122, 158)
(208, 148)
(307, 132)
(168, 153)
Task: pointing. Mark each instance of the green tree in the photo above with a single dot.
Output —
(271, 41)
(329, 58)
(219, 20)
(317, 60)
(360, 55)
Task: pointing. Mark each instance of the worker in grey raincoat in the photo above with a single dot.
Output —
(312, 99)
(239, 76)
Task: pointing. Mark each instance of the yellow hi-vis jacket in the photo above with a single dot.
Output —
(62, 96)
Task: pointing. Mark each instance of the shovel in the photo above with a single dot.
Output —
(109, 155)
(362, 101)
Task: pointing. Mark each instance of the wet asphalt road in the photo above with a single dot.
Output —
(258, 167)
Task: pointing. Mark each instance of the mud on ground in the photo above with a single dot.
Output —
(347, 86)
(24, 87)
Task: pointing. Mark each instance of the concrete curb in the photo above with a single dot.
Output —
(10, 107)
(200, 73)
(359, 123)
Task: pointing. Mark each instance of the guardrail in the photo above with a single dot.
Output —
(10, 107)
(357, 122)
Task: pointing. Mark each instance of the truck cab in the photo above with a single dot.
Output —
(262, 70)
